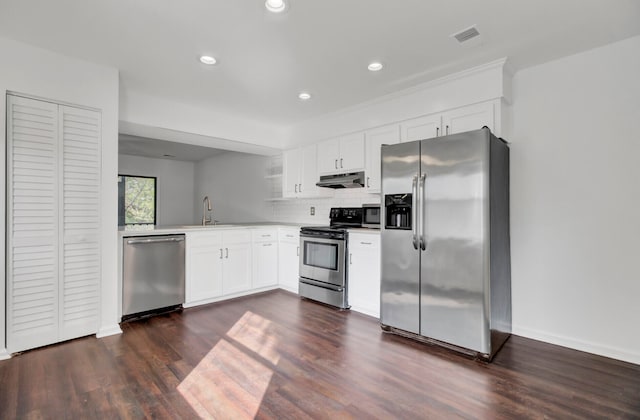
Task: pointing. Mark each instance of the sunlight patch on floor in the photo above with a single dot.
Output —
(257, 334)
(228, 382)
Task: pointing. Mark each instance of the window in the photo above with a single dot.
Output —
(136, 200)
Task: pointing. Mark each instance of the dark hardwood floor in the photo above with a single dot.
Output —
(275, 356)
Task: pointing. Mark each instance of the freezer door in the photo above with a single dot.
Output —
(455, 231)
(400, 269)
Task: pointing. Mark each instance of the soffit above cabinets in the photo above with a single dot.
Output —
(265, 60)
(162, 149)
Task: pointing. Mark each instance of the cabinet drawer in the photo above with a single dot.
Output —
(264, 235)
(289, 235)
(364, 240)
(237, 236)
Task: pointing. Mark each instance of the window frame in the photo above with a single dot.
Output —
(121, 207)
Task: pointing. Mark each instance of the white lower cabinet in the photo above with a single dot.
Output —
(364, 273)
(289, 258)
(204, 266)
(265, 258)
(236, 268)
(218, 264)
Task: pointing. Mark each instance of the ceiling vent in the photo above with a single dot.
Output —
(466, 34)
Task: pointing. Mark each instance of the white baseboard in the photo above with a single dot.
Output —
(289, 289)
(227, 297)
(108, 330)
(4, 354)
(372, 313)
(577, 344)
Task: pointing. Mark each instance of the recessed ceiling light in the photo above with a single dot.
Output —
(375, 66)
(275, 6)
(208, 60)
(304, 96)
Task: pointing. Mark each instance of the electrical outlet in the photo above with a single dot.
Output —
(312, 211)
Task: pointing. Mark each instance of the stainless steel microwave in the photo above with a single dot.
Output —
(371, 216)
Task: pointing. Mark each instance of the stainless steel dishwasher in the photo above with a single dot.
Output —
(153, 274)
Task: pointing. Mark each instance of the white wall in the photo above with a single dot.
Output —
(298, 210)
(575, 201)
(236, 186)
(175, 190)
(45, 74)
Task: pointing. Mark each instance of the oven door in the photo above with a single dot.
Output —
(323, 259)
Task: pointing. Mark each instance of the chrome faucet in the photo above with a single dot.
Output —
(206, 206)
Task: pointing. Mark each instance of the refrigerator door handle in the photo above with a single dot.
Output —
(423, 241)
(414, 210)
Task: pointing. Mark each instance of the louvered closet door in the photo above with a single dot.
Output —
(80, 221)
(32, 223)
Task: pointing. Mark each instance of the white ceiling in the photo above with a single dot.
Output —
(322, 47)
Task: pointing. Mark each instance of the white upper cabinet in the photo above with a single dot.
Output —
(421, 128)
(300, 173)
(291, 167)
(469, 118)
(389, 134)
(459, 120)
(343, 154)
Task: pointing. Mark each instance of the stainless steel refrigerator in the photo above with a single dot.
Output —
(446, 274)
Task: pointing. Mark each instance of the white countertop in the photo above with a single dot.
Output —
(124, 231)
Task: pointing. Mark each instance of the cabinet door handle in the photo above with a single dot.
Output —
(296, 188)
(437, 131)
(266, 236)
(227, 252)
(350, 259)
(297, 251)
(447, 130)
(365, 243)
(220, 253)
(300, 188)
(368, 186)
(336, 163)
(266, 244)
(341, 163)
(288, 236)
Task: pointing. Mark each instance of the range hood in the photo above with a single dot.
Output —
(350, 180)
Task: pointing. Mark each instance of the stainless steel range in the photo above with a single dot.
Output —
(324, 275)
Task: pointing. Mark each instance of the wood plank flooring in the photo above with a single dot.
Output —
(274, 356)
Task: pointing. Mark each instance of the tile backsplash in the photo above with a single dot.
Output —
(297, 210)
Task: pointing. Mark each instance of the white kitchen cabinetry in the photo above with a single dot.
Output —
(467, 118)
(340, 155)
(389, 134)
(421, 128)
(364, 273)
(289, 258)
(204, 256)
(470, 118)
(300, 173)
(265, 258)
(53, 213)
(218, 264)
(236, 268)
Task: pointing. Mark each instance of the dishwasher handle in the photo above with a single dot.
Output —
(154, 240)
